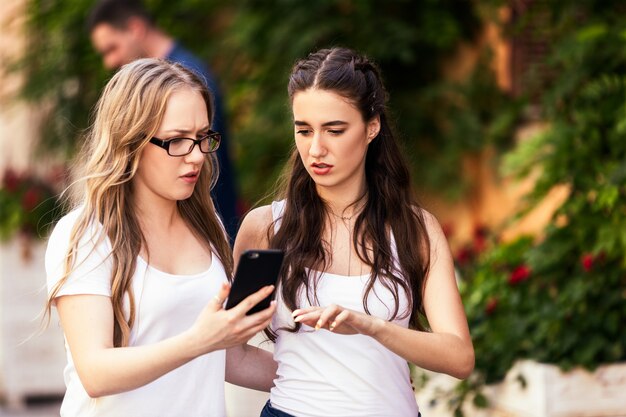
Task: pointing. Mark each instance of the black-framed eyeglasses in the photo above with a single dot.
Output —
(184, 146)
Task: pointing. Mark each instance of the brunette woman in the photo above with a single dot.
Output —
(365, 265)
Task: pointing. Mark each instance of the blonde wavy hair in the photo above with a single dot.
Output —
(128, 113)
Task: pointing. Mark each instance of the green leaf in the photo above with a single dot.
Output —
(480, 401)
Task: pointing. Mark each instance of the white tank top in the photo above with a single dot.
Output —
(323, 374)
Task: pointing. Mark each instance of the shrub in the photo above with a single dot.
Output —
(560, 297)
(28, 204)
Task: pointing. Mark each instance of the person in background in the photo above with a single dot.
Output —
(139, 269)
(122, 31)
(364, 264)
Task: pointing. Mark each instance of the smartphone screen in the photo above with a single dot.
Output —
(256, 269)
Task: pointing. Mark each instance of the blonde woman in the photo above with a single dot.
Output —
(139, 270)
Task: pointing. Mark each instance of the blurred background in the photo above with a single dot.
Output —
(511, 112)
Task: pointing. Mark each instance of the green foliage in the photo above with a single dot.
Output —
(60, 70)
(569, 307)
(63, 71)
(438, 120)
(459, 119)
(252, 45)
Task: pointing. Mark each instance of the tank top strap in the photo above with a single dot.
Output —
(278, 208)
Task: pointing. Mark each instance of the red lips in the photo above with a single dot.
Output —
(320, 168)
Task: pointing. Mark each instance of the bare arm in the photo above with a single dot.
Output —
(246, 365)
(87, 322)
(448, 348)
(250, 367)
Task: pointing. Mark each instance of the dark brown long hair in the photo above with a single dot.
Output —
(390, 206)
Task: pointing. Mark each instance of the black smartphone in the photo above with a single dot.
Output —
(256, 269)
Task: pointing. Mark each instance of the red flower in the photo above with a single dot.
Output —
(587, 261)
(491, 306)
(464, 256)
(480, 243)
(480, 231)
(480, 238)
(11, 180)
(31, 199)
(519, 274)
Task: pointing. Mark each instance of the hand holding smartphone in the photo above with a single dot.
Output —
(256, 269)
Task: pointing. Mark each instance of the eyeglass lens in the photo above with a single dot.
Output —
(184, 146)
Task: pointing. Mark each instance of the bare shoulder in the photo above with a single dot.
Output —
(253, 232)
(439, 247)
(430, 221)
(258, 218)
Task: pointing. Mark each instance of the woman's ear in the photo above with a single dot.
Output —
(373, 128)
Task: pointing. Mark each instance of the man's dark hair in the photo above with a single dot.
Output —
(116, 13)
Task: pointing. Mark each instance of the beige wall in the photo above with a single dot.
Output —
(17, 132)
(492, 201)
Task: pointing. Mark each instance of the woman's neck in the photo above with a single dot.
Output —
(344, 201)
(345, 206)
(157, 213)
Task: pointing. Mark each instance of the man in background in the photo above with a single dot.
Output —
(123, 31)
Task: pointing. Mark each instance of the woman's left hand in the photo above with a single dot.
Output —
(337, 320)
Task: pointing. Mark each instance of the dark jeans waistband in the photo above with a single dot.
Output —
(269, 411)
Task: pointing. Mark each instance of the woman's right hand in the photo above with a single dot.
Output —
(87, 322)
(216, 328)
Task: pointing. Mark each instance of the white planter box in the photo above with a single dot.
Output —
(549, 392)
(31, 362)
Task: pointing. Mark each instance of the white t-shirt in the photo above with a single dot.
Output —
(166, 305)
(324, 374)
